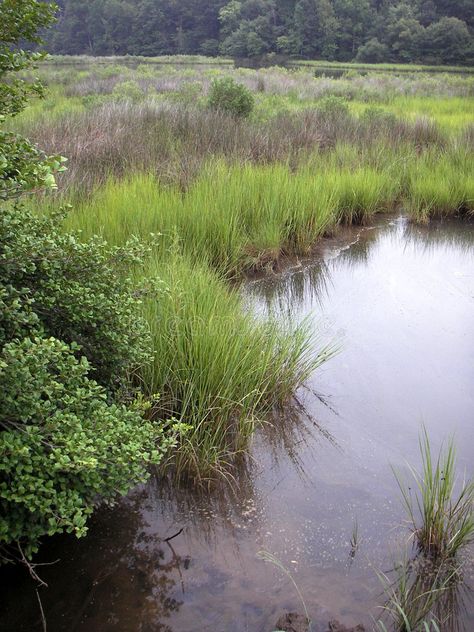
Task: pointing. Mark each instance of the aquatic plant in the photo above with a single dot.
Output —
(442, 518)
(266, 556)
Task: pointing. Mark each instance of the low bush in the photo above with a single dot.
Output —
(69, 320)
(62, 445)
(229, 96)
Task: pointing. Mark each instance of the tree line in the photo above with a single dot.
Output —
(427, 31)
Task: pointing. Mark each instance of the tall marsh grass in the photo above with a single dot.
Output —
(217, 367)
(441, 185)
(425, 594)
(176, 141)
(223, 196)
(239, 217)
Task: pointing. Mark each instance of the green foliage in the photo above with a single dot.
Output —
(372, 52)
(77, 291)
(433, 32)
(231, 97)
(62, 445)
(20, 21)
(23, 167)
(128, 91)
(68, 314)
(443, 521)
(68, 320)
(333, 107)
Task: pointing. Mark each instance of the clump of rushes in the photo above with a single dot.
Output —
(240, 217)
(218, 367)
(442, 522)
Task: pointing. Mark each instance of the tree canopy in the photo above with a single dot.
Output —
(430, 31)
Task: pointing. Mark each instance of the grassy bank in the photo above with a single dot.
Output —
(245, 217)
(217, 367)
(224, 197)
(380, 67)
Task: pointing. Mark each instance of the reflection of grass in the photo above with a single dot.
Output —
(442, 522)
(413, 597)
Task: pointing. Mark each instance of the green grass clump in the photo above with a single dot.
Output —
(246, 217)
(217, 367)
(418, 598)
(442, 522)
(440, 186)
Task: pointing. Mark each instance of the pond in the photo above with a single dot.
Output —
(398, 302)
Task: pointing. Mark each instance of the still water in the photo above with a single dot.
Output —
(398, 301)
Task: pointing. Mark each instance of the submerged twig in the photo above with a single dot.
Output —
(172, 537)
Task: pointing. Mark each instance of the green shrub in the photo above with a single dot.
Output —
(66, 310)
(62, 445)
(128, 91)
(229, 96)
(67, 316)
(53, 283)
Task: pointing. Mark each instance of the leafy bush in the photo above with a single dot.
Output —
(332, 107)
(128, 91)
(76, 291)
(378, 118)
(67, 315)
(62, 445)
(229, 96)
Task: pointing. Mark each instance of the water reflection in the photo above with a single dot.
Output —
(120, 563)
(450, 235)
(420, 592)
(287, 294)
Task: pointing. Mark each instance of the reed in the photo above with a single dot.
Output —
(441, 516)
(441, 185)
(178, 140)
(238, 218)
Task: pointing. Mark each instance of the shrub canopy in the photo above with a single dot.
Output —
(229, 96)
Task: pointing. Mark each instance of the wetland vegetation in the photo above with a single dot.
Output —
(228, 195)
(125, 315)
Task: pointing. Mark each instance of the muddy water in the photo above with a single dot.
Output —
(399, 302)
